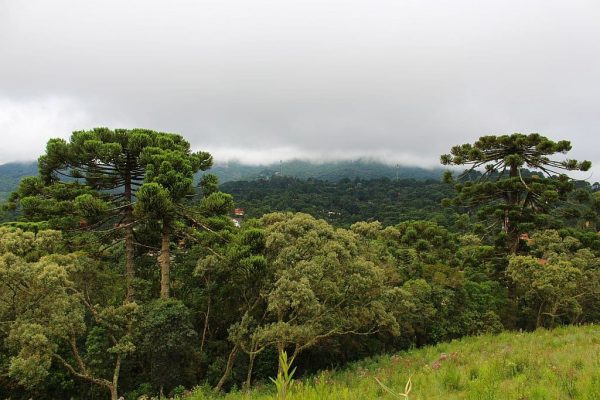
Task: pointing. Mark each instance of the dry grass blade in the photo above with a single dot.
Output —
(407, 389)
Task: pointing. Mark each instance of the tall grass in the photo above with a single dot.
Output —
(560, 364)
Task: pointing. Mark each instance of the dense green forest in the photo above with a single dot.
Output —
(387, 201)
(347, 201)
(123, 274)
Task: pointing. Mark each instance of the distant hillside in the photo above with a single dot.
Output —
(328, 171)
(12, 173)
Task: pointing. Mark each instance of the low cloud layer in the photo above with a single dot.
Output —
(264, 80)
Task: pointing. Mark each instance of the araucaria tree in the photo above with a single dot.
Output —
(512, 179)
(109, 161)
(169, 180)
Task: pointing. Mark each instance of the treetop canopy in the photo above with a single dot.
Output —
(514, 151)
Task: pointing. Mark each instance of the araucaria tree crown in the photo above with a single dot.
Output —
(512, 180)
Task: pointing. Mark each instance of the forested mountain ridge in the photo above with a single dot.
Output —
(12, 173)
(327, 171)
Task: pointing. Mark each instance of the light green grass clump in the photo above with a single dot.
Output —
(560, 364)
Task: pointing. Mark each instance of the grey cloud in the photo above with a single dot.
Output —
(264, 80)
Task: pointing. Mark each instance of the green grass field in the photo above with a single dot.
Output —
(560, 364)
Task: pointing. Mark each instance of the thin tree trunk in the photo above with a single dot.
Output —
(232, 356)
(513, 199)
(554, 311)
(513, 246)
(129, 241)
(84, 373)
(115, 381)
(129, 262)
(165, 261)
(248, 383)
(538, 322)
(204, 333)
(205, 330)
(294, 355)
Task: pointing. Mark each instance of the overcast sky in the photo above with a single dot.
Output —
(260, 80)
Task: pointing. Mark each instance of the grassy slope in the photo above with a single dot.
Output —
(559, 364)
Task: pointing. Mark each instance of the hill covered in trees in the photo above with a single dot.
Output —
(346, 201)
(12, 173)
(326, 171)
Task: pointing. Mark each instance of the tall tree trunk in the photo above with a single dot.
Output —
(228, 369)
(115, 381)
(113, 392)
(165, 261)
(513, 199)
(129, 240)
(129, 261)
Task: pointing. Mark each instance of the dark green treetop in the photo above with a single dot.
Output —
(520, 182)
(114, 164)
(509, 153)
